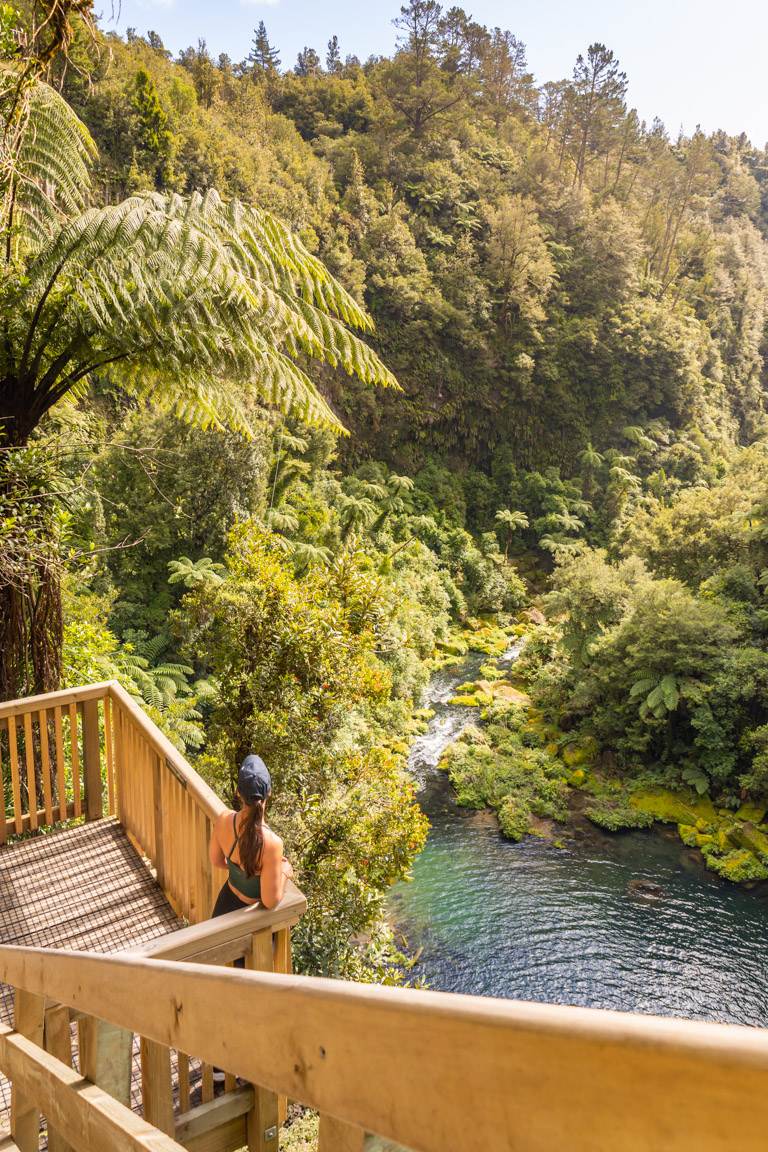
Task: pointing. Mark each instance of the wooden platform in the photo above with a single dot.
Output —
(83, 888)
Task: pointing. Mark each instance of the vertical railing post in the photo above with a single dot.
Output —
(156, 1087)
(157, 798)
(105, 1057)
(336, 1136)
(92, 760)
(29, 1020)
(58, 1041)
(262, 1121)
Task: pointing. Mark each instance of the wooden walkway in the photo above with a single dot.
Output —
(83, 888)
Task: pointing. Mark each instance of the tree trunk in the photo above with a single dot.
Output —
(31, 626)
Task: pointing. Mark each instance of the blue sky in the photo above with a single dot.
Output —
(688, 61)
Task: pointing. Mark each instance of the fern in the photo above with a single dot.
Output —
(192, 303)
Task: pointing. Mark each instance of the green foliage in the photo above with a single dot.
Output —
(614, 816)
(504, 772)
(293, 660)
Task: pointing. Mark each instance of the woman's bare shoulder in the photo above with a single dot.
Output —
(271, 840)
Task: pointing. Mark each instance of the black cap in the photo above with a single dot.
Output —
(253, 779)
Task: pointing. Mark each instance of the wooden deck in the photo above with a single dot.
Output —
(84, 888)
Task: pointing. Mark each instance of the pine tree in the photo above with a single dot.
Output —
(307, 62)
(263, 58)
(333, 56)
(153, 136)
(599, 87)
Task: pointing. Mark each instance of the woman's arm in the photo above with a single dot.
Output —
(272, 872)
(215, 851)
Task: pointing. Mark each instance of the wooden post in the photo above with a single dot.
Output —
(105, 1057)
(58, 1041)
(92, 760)
(283, 963)
(29, 1020)
(262, 1122)
(156, 1090)
(336, 1136)
(157, 804)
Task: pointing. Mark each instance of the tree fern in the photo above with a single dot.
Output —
(191, 303)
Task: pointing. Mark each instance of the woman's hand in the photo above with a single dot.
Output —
(287, 869)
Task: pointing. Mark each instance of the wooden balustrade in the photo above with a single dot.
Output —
(165, 807)
(428, 1070)
(92, 752)
(55, 759)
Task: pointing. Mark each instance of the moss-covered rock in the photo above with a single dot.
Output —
(670, 807)
(739, 865)
(746, 835)
(754, 813)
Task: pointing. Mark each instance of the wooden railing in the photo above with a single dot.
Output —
(431, 1071)
(165, 807)
(51, 766)
(91, 752)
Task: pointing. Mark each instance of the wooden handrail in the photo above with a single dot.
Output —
(432, 1070)
(56, 699)
(227, 937)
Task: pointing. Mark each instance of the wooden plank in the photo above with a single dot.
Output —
(156, 1091)
(282, 955)
(262, 1126)
(29, 1020)
(109, 753)
(207, 1086)
(13, 758)
(105, 1056)
(263, 1122)
(85, 1115)
(3, 813)
(207, 1117)
(157, 820)
(92, 760)
(61, 768)
(182, 1060)
(229, 1137)
(336, 1136)
(45, 766)
(74, 748)
(58, 1042)
(539, 1076)
(29, 759)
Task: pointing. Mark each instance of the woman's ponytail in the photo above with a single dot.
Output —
(251, 842)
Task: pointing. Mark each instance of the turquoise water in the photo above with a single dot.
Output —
(534, 922)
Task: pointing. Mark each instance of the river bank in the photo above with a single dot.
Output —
(567, 919)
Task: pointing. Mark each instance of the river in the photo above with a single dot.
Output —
(533, 921)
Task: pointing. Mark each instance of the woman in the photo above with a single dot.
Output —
(250, 851)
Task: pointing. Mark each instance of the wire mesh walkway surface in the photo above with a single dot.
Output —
(81, 888)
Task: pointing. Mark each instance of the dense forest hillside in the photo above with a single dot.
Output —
(574, 305)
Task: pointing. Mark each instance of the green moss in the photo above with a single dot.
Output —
(673, 807)
(579, 752)
(754, 813)
(738, 866)
(577, 778)
(748, 836)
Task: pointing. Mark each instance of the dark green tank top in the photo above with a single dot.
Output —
(248, 886)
